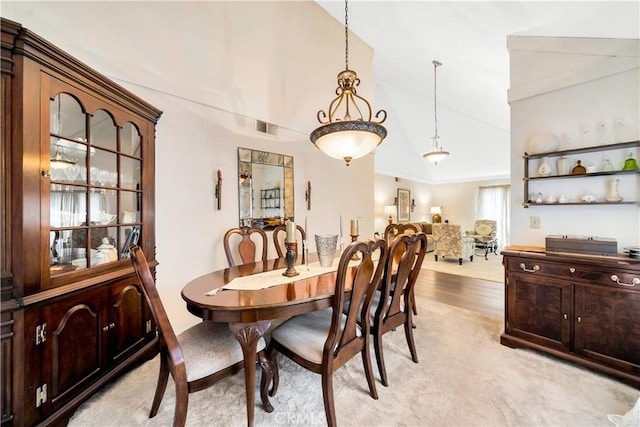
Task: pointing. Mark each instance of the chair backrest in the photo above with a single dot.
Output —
(406, 255)
(393, 230)
(345, 339)
(246, 246)
(166, 333)
(278, 239)
(481, 226)
(447, 235)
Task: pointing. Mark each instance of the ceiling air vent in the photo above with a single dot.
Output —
(267, 128)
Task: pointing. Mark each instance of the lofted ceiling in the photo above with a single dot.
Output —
(470, 39)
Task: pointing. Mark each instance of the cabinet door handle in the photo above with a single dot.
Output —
(105, 328)
(579, 319)
(572, 270)
(565, 316)
(524, 267)
(635, 281)
(112, 325)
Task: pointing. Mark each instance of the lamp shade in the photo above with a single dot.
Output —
(436, 156)
(348, 140)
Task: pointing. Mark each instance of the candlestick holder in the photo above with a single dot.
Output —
(354, 238)
(290, 256)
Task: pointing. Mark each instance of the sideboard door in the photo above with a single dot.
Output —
(607, 327)
(539, 310)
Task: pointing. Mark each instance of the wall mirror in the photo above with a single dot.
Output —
(265, 188)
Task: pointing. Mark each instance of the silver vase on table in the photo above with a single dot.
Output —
(326, 247)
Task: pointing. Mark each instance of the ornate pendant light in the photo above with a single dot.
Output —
(438, 154)
(348, 132)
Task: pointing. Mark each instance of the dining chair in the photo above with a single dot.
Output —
(198, 358)
(246, 247)
(393, 230)
(392, 306)
(390, 233)
(323, 341)
(278, 240)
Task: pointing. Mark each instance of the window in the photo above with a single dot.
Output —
(494, 202)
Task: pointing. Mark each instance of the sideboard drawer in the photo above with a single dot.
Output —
(538, 268)
(617, 276)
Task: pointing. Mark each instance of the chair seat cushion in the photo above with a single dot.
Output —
(209, 347)
(306, 334)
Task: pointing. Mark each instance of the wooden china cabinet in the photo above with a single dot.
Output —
(77, 187)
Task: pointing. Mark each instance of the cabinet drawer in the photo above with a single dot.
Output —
(538, 268)
(619, 277)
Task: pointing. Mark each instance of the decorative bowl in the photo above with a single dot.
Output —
(543, 142)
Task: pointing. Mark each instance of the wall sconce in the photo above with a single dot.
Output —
(219, 190)
(307, 195)
(413, 204)
(390, 210)
(436, 212)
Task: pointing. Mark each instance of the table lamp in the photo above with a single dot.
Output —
(390, 210)
(435, 212)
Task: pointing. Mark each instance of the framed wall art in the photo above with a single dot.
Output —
(404, 205)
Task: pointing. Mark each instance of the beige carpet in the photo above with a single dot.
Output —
(464, 378)
(489, 269)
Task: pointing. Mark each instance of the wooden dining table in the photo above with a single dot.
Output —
(249, 313)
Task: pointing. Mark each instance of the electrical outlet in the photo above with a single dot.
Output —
(534, 222)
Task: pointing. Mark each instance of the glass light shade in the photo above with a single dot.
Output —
(436, 156)
(59, 162)
(348, 140)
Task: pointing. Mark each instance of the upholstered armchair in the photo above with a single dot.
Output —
(484, 235)
(483, 230)
(449, 241)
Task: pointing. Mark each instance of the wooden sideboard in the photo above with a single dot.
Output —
(582, 308)
(78, 185)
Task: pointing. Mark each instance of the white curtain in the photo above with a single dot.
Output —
(493, 203)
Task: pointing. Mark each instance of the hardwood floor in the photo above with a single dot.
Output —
(477, 295)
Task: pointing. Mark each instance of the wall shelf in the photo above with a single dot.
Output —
(601, 148)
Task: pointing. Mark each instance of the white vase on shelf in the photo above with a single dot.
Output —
(563, 166)
(612, 194)
(544, 168)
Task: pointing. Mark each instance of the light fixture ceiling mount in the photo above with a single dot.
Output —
(438, 154)
(347, 132)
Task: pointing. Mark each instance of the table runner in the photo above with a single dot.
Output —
(274, 278)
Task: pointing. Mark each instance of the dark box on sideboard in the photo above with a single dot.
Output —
(582, 245)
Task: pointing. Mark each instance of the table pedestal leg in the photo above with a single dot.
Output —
(248, 335)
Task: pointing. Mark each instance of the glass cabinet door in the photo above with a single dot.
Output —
(95, 186)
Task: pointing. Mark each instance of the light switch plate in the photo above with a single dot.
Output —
(534, 222)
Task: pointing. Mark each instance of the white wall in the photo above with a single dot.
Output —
(212, 68)
(563, 85)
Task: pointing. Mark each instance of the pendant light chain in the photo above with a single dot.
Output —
(438, 154)
(435, 100)
(346, 35)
